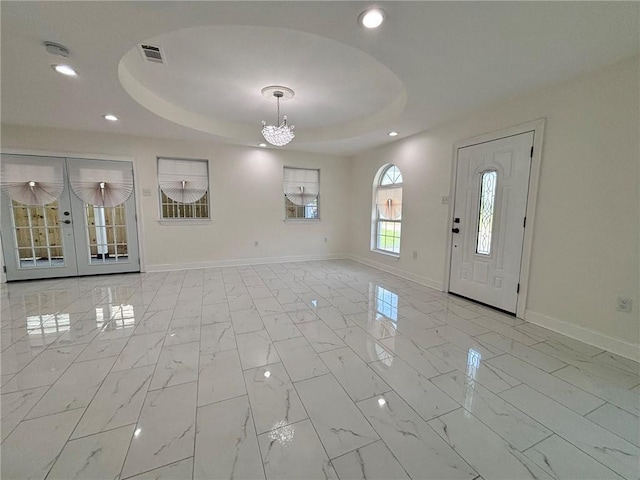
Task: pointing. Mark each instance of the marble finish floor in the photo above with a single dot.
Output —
(326, 369)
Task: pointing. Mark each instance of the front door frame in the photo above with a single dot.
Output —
(89, 156)
(537, 126)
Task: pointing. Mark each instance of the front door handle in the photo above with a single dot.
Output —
(66, 222)
(455, 230)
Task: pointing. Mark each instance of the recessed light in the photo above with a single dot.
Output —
(65, 70)
(262, 145)
(381, 401)
(371, 18)
(393, 134)
(111, 118)
(267, 374)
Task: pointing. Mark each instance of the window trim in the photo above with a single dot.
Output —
(374, 211)
(183, 220)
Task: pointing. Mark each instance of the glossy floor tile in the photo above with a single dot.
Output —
(327, 369)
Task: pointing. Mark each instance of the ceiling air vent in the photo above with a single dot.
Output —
(152, 53)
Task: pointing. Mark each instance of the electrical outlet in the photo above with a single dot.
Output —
(445, 200)
(146, 192)
(415, 254)
(624, 304)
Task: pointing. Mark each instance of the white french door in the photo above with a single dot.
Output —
(492, 183)
(64, 217)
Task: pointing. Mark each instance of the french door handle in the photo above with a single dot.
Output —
(66, 222)
(455, 230)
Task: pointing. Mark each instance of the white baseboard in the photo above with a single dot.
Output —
(241, 261)
(591, 337)
(398, 272)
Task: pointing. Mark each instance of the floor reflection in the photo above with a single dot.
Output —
(45, 328)
(473, 364)
(382, 320)
(114, 315)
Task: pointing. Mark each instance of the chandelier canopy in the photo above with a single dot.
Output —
(279, 134)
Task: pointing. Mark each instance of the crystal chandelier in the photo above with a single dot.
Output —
(281, 133)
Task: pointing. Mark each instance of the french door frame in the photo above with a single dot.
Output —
(86, 156)
(537, 126)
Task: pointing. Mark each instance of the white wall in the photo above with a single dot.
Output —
(586, 236)
(247, 203)
(586, 241)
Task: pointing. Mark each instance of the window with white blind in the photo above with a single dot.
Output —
(387, 212)
(184, 188)
(301, 192)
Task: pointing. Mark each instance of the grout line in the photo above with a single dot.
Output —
(593, 410)
(539, 441)
(358, 448)
(195, 417)
(150, 380)
(156, 468)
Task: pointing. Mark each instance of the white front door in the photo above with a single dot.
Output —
(492, 183)
(64, 235)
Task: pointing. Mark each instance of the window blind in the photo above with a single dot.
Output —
(105, 186)
(32, 180)
(301, 186)
(184, 181)
(389, 203)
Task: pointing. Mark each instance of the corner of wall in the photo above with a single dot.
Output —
(591, 337)
(427, 282)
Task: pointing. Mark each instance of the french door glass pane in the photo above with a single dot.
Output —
(107, 234)
(38, 236)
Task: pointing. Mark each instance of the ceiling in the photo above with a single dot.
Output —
(428, 63)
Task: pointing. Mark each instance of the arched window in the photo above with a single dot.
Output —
(388, 210)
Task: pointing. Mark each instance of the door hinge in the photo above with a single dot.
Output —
(518, 289)
(4, 268)
(531, 153)
(524, 223)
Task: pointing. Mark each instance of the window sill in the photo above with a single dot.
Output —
(184, 221)
(301, 220)
(386, 254)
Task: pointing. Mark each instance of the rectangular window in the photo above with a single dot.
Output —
(485, 217)
(301, 192)
(388, 236)
(389, 214)
(184, 188)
